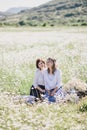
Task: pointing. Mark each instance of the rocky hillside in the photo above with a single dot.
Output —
(55, 12)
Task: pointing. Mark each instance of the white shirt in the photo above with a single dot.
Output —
(38, 78)
(52, 80)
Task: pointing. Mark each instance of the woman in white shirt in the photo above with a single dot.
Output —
(38, 86)
(52, 79)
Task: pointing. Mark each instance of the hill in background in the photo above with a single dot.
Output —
(53, 13)
(11, 11)
(16, 10)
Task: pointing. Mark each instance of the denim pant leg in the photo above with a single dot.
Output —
(50, 98)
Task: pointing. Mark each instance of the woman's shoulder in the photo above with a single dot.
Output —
(45, 70)
(58, 71)
(37, 71)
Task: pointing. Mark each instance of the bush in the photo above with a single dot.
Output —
(52, 25)
(6, 24)
(83, 108)
(44, 24)
(83, 105)
(75, 24)
(33, 24)
(10, 24)
(84, 24)
(22, 23)
(1, 24)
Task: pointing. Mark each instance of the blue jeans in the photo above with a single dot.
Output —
(50, 98)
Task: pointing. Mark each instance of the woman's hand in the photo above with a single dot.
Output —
(54, 91)
(48, 92)
(52, 94)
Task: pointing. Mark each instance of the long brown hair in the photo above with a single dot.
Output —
(54, 65)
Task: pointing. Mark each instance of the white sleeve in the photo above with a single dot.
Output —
(35, 82)
(45, 82)
(46, 85)
(59, 78)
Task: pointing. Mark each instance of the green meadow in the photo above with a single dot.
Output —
(19, 49)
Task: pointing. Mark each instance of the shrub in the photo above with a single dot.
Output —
(22, 23)
(52, 25)
(44, 24)
(1, 24)
(84, 24)
(83, 105)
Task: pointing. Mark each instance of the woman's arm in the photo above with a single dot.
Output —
(45, 81)
(35, 83)
(59, 82)
(59, 78)
(41, 90)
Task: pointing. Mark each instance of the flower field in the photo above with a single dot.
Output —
(19, 48)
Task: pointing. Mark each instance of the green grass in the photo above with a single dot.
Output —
(18, 51)
(83, 105)
(16, 116)
(18, 55)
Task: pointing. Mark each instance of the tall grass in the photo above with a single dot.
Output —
(19, 50)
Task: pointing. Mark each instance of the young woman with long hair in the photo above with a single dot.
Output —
(52, 79)
(38, 86)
